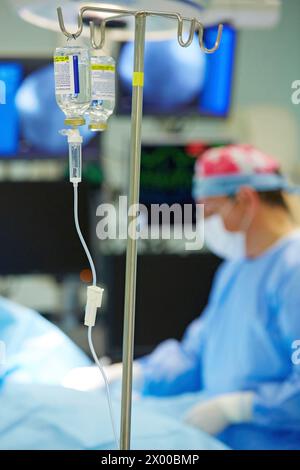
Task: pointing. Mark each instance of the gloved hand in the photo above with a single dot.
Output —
(90, 378)
(215, 414)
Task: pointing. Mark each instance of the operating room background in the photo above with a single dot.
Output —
(262, 114)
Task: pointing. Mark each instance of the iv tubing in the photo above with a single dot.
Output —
(90, 339)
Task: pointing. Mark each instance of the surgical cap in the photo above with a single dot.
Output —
(222, 171)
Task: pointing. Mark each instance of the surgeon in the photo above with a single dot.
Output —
(241, 352)
(239, 360)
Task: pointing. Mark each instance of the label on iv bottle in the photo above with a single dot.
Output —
(66, 74)
(103, 81)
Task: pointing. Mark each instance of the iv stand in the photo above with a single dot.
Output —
(136, 128)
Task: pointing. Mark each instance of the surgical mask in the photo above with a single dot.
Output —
(221, 242)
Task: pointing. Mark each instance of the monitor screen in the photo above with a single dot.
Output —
(30, 119)
(181, 81)
(167, 173)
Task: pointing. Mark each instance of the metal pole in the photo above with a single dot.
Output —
(131, 252)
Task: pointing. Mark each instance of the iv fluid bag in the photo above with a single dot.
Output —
(72, 82)
(103, 70)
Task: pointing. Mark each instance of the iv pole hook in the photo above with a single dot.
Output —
(63, 28)
(217, 43)
(103, 23)
(94, 43)
(189, 41)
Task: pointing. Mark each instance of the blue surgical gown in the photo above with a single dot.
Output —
(243, 341)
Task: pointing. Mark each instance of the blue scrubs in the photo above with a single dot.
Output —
(243, 341)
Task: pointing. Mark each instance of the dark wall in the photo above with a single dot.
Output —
(172, 290)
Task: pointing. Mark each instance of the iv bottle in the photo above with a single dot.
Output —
(103, 70)
(72, 82)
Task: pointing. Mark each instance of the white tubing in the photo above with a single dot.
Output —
(90, 339)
